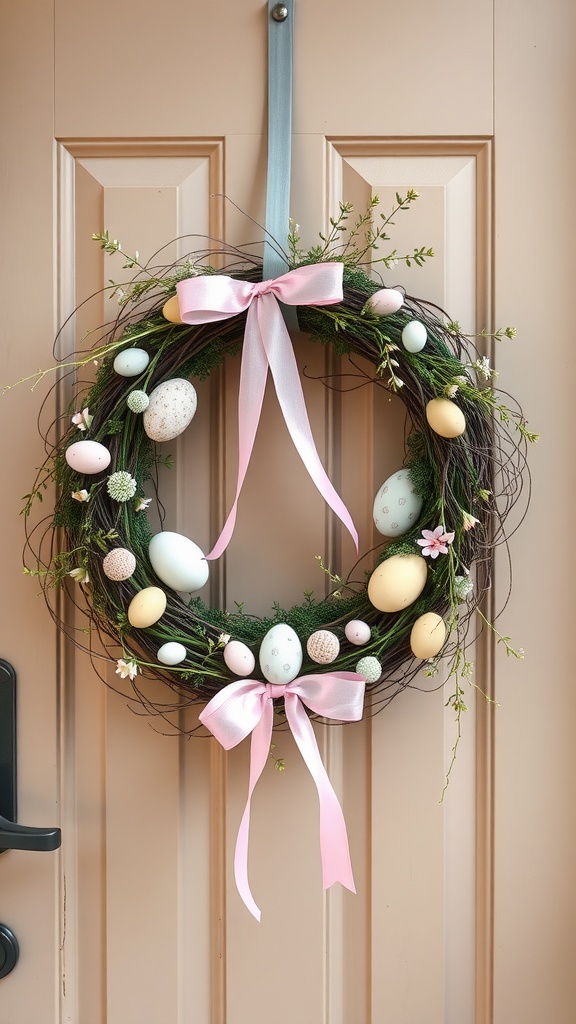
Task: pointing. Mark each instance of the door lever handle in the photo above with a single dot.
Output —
(12, 835)
(26, 837)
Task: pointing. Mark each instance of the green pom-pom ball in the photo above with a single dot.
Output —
(138, 401)
(370, 668)
(121, 486)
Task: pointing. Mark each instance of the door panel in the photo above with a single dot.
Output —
(158, 112)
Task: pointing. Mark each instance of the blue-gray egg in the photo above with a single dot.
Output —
(396, 505)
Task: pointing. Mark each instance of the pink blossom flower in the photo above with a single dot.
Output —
(434, 542)
(81, 495)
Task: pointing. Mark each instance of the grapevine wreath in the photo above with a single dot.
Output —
(441, 515)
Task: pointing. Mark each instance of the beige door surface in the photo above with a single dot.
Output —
(138, 117)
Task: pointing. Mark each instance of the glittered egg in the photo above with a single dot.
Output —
(445, 417)
(88, 457)
(386, 301)
(370, 668)
(171, 310)
(178, 561)
(280, 654)
(323, 646)
(119, 564)
(171, 653)
(414, 336)
(427, 635)
(397, 582)
(239, 658)
(131, 362)
(146, 607)
(172, 407)
(357, 632)
(396, 505)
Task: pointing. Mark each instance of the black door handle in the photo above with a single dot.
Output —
(12, 835)
(25, 837)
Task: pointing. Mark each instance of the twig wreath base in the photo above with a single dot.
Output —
(465, 485)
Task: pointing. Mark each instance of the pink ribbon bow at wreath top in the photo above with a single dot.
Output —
(246, 706)
(209, 298)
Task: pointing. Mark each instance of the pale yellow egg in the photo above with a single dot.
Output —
(146, 607)
(428, 635)
(171, 310)
(397, 582)
(445, 417)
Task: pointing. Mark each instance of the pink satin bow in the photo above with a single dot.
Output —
(245, 707)
(209, 298)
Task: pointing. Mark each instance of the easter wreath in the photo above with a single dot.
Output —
(464, 467)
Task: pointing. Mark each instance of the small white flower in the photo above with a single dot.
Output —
(483, 368)
(79, 575)
(224, 638)
(81, 495)
(469, 521)
(126, 668)
(391, 264)
(82, 420)
(142, 504)
(450, 390)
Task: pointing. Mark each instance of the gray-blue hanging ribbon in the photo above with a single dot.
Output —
(280, 51)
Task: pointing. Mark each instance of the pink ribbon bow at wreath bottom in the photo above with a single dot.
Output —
(246, 706)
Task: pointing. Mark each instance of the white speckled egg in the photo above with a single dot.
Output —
(178, 561)
(414, 336)
(88, 457)
(280, 654)
(396, 505)
(357, 632)
(386, 301)
(172, 407)
(370, 668)
(146, 607)
(445, 418)
(119, 564)
(427, 635)
(131, 362)
(323, 646)
(171, 310)
(397, 582)
(239, 658)
(171, 653)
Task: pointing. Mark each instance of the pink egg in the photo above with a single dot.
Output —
(239, 658)
(357, 632)
(386, 301)
(88, 457)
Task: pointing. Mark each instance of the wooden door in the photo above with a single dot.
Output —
(138, 118)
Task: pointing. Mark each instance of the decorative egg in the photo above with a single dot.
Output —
(131, 362)
(397, 582)
(171, 409)
(88, 457)
(280, 654)
(171, 310)
(119, 564)
(445, 418)
(386, 301)
(370, 668)
(428, 635)
(171, 653)
(396, 505)
(239, 658)
(414, 336)
(357, 632)
(178, 561)
(146, 607)
(323, 646)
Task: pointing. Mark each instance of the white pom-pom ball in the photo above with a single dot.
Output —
(119, 564)
(370, 668)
